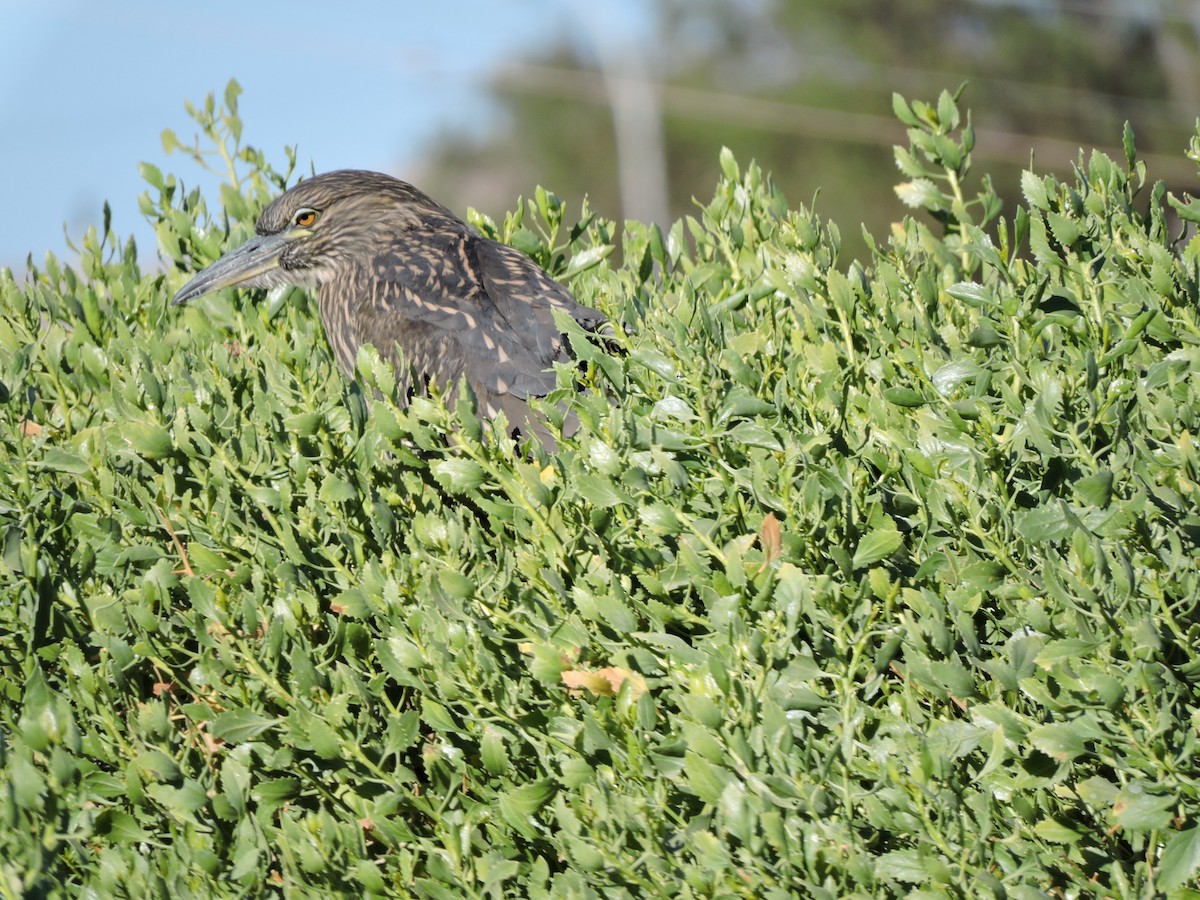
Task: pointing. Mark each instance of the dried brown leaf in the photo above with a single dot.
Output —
(769, 537)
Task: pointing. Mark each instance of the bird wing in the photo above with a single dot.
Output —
(457, 304)
(515, 284)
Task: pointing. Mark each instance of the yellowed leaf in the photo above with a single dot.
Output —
(604, 682)
(580, 679)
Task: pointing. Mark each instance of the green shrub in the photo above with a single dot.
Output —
(874, 579)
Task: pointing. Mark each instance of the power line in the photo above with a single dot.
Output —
(819, 122)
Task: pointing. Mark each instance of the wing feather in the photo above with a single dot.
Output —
(457, 304)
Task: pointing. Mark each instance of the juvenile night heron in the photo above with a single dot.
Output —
(393, 268)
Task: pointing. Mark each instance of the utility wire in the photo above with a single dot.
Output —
(996, 144)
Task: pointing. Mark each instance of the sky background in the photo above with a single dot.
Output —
(86, 90)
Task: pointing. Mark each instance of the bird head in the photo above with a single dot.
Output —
(319, 228)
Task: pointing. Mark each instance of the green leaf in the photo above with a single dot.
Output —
(921, 193)
(1180, 859)
(948, 377)
(323, 738)
(1057, 832)
(45, 720)
(60, 460)
(1136, 809)
(908, 163)
(1034, 190)
(587, 259)
(541, 199)
(458, 475)
(729, 166)
(599, 491)
(947, 110)
(655, 361)
(277, 790)
(238, 725)
(494, 753)
(1096, 489)
(877, 545)
(1127, 144)
(970, 293)
(984, 336)
(1046, 523)
(547, 663)
(233, 90)
(706, 781)
(901, 111)
(740, 402)
(1065, 230)
(519, 806)
(902, 865)
(754, 435)
(149, 440)
(121, 828)
(456, 585)
(902, 396)
(1189, 212)
(156, 765)
(1062, 742)
(150, 173)
(660, 519)
(338, 490)
(1064, 650)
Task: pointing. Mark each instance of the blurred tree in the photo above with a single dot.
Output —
(805, 88)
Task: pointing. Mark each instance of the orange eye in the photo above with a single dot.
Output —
(305, 218)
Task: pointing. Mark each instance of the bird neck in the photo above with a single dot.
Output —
(337, 312)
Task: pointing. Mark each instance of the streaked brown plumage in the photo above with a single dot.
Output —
(395, 269)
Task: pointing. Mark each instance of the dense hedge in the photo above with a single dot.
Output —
(860, 578)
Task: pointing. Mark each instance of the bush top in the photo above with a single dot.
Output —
(858, 579)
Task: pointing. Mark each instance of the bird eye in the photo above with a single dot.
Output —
(305, 217)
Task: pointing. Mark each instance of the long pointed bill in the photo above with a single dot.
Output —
(248, 263)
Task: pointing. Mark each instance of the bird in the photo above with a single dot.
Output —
(393, 268)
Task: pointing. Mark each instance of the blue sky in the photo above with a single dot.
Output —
(87, 88)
